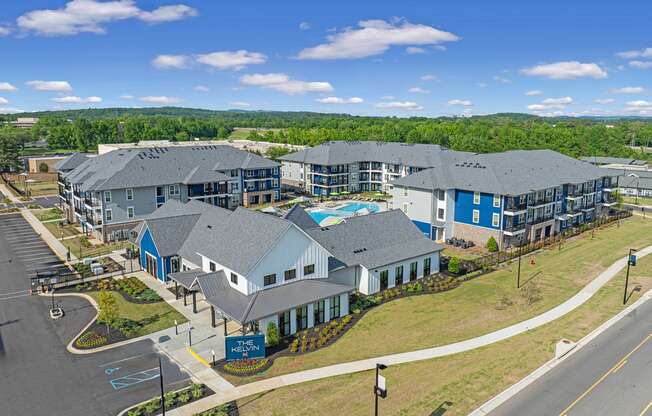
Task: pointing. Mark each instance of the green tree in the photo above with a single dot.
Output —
(12, 142)
(454, 265)
(108, 309)
(492, 245)
(83, 134)
(276, 152)
(272, 334)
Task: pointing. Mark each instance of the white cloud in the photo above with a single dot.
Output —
(643, 53)
(465, 103)
(338, 100)
(418, 90)
(304, 26)
(9, 110)
(374, 37)
(79, 16)
(160, 99)
(481, 84)
(168, 14)
(388, 97)
(604, 101)
(401, 105)
(3, 101)
(532, 93)
(551, 104)
(61, 86)
(170, 61)
(71, 99)
(4, 31)
(5, 86)
(640, 64)
(558, 101)
(127, 97)
(429, 77)
(414, 50)
(566, 70)
(502, 80)
(239, 104)
(231, 60)
(283, 83)
(627, 90)
(201, 88)
(639, 104)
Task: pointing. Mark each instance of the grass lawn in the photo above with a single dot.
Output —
(154, 316)
(641, 200)
(464, 254)
(68, 230)
(453, 385)
(38, 188)
(48, 214)
(96, 250)
(477, 306)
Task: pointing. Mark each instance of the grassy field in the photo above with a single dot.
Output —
(465, 254)
(154, 316)
(48, 214)
(38, 188)
(67, 230)
(641, 200)
(242, 133)
(453, 385)
(478, 306)
(73, 244)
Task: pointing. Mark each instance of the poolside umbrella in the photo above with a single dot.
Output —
(345, 193)
(379, 194)
(334, 194)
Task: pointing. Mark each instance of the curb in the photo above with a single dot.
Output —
(493, 403)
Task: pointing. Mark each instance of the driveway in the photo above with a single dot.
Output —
(38, 376)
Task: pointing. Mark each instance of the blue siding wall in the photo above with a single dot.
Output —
(424, 227)
(464, 207)
(147, 246)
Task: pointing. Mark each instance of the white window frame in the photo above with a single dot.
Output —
(442, 210)
(475, 217)
(495, 220)
(129, 194)
(476, 198)
(496, 201)
(406, 206)
(133, 212)
(108, 215)
(107, 196)
(173, 190)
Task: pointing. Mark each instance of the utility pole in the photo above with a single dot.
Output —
(518, 275)
(631, 261)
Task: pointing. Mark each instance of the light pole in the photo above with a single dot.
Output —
(379, 387)
(518, 275)
(160, 372)
(631, 261)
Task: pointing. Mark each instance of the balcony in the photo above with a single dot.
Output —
(541, 218)
(92, 202)
(514, 205)
(514, 229)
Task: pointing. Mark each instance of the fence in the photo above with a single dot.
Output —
(492, 260)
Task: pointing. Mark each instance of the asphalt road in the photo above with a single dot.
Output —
(38, 376)
(612, 375)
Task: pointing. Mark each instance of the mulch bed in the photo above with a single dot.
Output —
(113, 336)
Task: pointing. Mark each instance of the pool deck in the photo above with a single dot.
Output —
(329, 209)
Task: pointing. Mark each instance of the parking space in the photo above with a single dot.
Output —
(27, 246)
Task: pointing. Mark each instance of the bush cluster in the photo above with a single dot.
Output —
(221, 410)
(172, 399)
(90, 339)
(133, 287)
(310, 340)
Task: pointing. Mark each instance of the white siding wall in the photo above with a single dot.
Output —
(371, 282)
(450, 212)
(242, 281)
(292, 171)
(419, 203)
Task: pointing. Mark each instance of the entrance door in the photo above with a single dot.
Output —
(151, 265)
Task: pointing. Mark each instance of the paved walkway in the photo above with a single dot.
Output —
(230, 394)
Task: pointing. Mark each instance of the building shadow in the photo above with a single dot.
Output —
(442, 408)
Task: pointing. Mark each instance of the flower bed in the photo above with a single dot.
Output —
(90, 339)
(131, 288)
(320, 336)
(245, 368)
(173, 399)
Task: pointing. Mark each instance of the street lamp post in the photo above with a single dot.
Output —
(631, 261)
(380, 390)
(518, 275)
(160, 372)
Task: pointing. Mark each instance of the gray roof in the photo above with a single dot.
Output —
(606, 160)
(514, 172)
(642, 182)
(71, 162)
(219, 293)
(188, 278)
(300, 218)
(344, 152)
(127, 168)
(374, 240)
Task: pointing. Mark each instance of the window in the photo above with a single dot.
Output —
(476, 216)
(159, 191)
(290, 274)
(174, 264)
(441, 195)
(309, 269)
(173, 190)
(496, 201)
(476, 198)
(384, 279)
(319, 311)
(414, 266)
(405, 207)
(495, 219)
(440, 214)
(107, 196)
(426, 267)
(284, 323)
(234, 186)
(130, 212)
(234, 278)
(302, 317)
(234, 173)
(270, 279)
(109, 215)
(212, 266)
(129, 194)
(335, 307)
(405, 191)
(398, 275)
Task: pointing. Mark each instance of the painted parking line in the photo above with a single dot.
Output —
(133, 379)
(32, 250)
(38, 253)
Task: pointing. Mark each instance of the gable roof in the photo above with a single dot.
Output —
(126, 168)
(71, 162)
(300, 218)
(374, 240)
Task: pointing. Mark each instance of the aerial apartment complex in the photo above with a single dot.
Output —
(110, 193)
(255, 268)
(514, 196)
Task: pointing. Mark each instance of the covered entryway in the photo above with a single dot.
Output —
(151, 265)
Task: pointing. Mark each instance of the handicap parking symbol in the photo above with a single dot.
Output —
(110, 371)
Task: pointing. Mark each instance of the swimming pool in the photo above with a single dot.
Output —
(347, 210)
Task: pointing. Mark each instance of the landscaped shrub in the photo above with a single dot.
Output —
(272, 334)
(128, 327)
(83, 240)
(221, 410)
(454, 265)
(170, 398)
(492, 245)
(197, 391)
(149, 295)
(90, 339)
(135, 288)
(153, 405)
(246, 367)
(184, 397)
(136, 412)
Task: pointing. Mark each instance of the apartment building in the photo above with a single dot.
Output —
(256, 268)
(514, 196)
(357, 166)
(110, 193)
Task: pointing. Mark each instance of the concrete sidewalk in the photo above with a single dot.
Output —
(235, 393)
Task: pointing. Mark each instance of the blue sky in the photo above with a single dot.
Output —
(402, 58)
